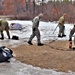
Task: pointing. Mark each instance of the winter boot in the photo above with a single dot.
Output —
(60, 36)
(2, 36)
(29, 42)
(40, 44)
(70, 39)
(63, 35)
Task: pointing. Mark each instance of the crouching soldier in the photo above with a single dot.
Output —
(61, 26)
(4, 26)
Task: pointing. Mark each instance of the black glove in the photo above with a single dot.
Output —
(34, 29)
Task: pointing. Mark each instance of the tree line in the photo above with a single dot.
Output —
(27, 9)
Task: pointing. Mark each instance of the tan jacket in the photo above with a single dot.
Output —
(61, 20)
(3, 25)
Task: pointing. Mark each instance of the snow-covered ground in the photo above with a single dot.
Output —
(46, 29)
(18, 68)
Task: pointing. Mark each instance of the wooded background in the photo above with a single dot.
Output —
(27, 9)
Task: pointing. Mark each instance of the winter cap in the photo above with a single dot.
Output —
(40, 15)
(64, 14)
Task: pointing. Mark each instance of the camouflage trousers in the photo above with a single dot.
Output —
(35, 32)
(61, 30)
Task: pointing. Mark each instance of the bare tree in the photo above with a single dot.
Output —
(33, 7)
(17, 7)
(42, 6)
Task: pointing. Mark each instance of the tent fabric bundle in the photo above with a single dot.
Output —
(15, 26)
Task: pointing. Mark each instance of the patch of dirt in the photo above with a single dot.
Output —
(56, 55)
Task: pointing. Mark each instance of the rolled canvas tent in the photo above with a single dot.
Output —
(15, 26)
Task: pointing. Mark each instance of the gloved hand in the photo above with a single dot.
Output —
(34, 29)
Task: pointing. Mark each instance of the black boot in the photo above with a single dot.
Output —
(9, 37)
(63, 35)
(2, 37)
(40, 44)
(70, 39)
(60, 36)
(8, 34)
(29, 42)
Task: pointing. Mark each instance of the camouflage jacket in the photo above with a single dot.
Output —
(61, 20)
(3, 25)
(36, 22)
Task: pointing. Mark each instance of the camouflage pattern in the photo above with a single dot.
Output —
(61, 25)
(35, 30)
(35, 22)
(71, 33)
(4, 26)
(61, 21)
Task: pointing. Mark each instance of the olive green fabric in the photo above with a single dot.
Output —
(35, 30)
(36, 22)
(4, 26)
(61, 25)
(72, 32)
(61, 20)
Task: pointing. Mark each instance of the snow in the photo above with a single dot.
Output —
(18, 68)
(46, 1)
(46, 29)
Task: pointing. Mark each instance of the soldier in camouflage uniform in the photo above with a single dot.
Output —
(35, 30)
(71, 33)
(61, 26)
(4, 26)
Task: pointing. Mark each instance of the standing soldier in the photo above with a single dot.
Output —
(4, 26)
(35, 30)
(61, 26)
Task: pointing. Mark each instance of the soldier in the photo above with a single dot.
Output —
(4, 26)
(35, 30)
(61, 26)
(71, 33)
